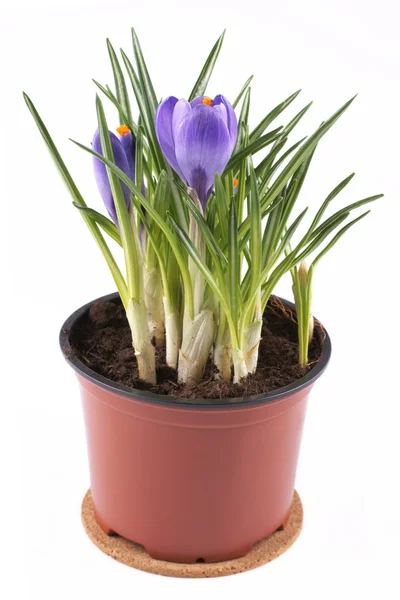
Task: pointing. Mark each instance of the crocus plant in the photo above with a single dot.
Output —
(206, 231)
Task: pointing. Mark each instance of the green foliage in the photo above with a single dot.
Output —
(251, 240)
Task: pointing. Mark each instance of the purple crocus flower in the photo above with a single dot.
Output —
(197, 139)
(124, 156)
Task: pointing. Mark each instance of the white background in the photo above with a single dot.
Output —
(348, 475)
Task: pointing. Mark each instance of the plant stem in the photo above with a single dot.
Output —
(144, 350)
(153, 291)
(173, 333)
(252, 345)
(239, 365)
(198, 336)
(222, 350)
(302, 278)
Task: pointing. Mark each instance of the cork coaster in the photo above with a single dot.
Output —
(136, 556)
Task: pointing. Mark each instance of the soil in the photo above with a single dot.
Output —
(103, 342)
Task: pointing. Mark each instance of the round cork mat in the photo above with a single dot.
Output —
(136, 556)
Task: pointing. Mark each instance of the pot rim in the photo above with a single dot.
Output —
(172, 401)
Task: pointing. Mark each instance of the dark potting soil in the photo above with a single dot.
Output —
(103, 342)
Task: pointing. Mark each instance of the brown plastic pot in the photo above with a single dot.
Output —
(191, 480)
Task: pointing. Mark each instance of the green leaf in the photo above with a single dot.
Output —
(160, 204)
(206, 232)
(274, 167)
(120, 87)
(222, 208)
(243, 120)
(194, 255)
(265, 165)
(244, 185)
(106, 225)
(242, 91)
(346, 209)
(271, 226)
(286, 238)
(146, 84)
(160, 257)
(204, 77)
(329, 199)
(305, 248)
(138, 199)
(254, 211)
(317, 240)
(293, 191)
(251, 149)
(177, 203)
(302, 153)
(292, 124)
(262, 126)
(337, 237)
(129, 243)
(145, 113)
(233, 264)
(77, 197)
(123, 119)
(139, 166)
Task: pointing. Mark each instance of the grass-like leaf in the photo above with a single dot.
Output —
(77, 197)
(251, 149)
(120, 87)
(129, 244)
(138, 197)
(254, 210)
(222, 208)
(271, 116)
(145, 113)
(346, 209)
(145, 80)
(233, 264)
(242, 91)
(195, 256)
(243, 120)
(106, 225)
(206, 72)
(338, 236)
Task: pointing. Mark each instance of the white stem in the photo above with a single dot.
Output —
(198, 281)
(198, 336)
(252, 337)
(239, 365)
(173, 334)
(141, 341)
(251, 344)
(310, 329)
(222, 360)
(222, 350)
(154, 303)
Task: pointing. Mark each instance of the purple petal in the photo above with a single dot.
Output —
(100, 172)
(198, 101)
(231, 119)
(128, 143)
(163, 124)
(182, 108)
(202, 148)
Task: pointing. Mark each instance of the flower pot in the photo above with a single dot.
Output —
(191, 480)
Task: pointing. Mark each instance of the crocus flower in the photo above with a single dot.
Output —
(197, 139)
(124, 156)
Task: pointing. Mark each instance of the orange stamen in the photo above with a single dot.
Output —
(235, 182)
(207, 100)
(123, 130)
